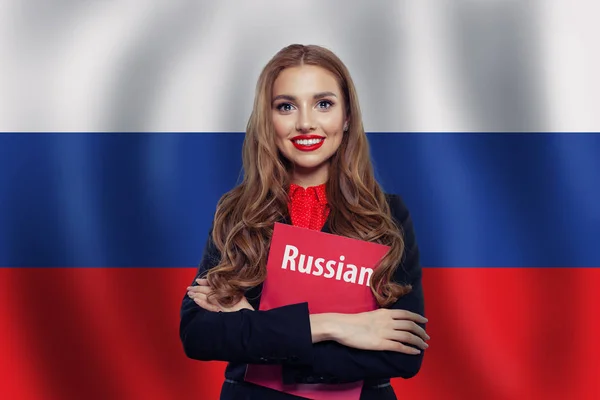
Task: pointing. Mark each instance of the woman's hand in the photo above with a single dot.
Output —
(200, 295)
(382, 329)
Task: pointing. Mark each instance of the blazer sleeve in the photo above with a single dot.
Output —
(335, 363)
(257, 337)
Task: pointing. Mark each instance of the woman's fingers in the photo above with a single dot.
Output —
(404, 314)
(399, 347)
(199, 289)
(410, 326)
(406, 337)
(406, 329)
(202, 300)
(206, 305)
(200, 294)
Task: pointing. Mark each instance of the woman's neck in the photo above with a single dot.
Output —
(307, 177)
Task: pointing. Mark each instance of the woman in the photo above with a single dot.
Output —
(306, 162)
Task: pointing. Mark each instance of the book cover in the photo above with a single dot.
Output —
(330, 272)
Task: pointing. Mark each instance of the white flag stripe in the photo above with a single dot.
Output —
(192, 65)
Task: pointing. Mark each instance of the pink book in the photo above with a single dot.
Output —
(331, 273)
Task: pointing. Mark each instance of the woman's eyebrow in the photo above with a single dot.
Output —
(284, 97)
(323, 94)
(292, 98)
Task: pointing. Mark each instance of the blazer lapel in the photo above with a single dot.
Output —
(325, 228)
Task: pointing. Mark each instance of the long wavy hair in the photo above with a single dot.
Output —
(245, 216)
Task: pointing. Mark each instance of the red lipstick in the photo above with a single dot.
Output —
(308, 142)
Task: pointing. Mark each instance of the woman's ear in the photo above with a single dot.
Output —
(346, 126)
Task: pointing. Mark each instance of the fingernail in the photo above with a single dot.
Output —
(417, 351)
(426, 345)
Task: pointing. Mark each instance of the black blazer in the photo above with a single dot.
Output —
(283, 336)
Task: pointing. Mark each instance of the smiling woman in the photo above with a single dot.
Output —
(308, 115)
(306, 163)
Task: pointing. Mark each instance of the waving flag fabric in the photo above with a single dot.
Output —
(100, 234)
(123, 125)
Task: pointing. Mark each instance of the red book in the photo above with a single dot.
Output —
(330, 272)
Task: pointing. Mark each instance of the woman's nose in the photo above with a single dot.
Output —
(305, 122)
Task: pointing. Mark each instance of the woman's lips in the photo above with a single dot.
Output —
(308, 143)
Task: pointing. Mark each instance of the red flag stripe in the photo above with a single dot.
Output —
(496, 333)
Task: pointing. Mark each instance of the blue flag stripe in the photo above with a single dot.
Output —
(147, 199)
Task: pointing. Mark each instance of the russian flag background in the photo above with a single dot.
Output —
(124, 125)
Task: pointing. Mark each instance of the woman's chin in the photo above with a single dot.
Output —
(308, 163)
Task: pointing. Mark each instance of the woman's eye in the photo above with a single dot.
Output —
(325, 104)
(285, 107)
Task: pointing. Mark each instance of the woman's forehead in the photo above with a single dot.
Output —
(305, 80)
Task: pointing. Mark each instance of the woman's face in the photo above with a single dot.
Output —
(309, 120)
